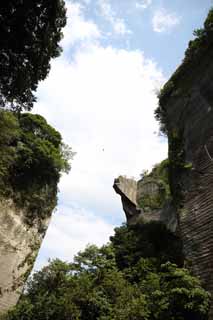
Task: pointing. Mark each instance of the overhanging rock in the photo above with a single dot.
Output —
(133, 194)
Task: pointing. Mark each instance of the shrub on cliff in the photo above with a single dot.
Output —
(30, 32)
(176, 85)
(159, 176)
(33, 157)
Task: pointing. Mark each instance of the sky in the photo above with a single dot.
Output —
(101, 94)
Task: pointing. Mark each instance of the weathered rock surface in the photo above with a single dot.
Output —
(19, 244)
(189, 114)
(132, 194)
(127, 189)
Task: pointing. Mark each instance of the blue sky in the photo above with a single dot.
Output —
(101, 95)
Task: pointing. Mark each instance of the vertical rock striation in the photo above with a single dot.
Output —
(19, 244)
(188, 114)
(185, 113)
(32, 159)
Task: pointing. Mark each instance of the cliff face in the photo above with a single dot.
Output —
(19, 244)
(185, 113)
(189, 114)
(31, 161)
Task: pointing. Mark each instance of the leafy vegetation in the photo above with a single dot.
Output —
(115, 282)
(179, 168)
(149, 240)
(177, 165)
(30, 32)
(196, 49)
(159, 176)
(139, 274)
(33, 157)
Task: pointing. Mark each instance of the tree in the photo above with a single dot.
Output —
(93, 288)
(9, 133)
(30, 32)
(173, 293)
(149, 240)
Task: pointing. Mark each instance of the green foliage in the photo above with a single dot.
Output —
(196, 49)
(39, 152)
(165, 175)
(9, 133)
(188, 166)
(160, 176)
(93, 259)
(33, 157)
(175, 294)
(94, 288)
(178, 166)
(151, 202)
(30, 33)
(150, 240)
(160, 171)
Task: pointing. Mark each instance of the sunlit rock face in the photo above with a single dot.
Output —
(127, 189)
(140, 200)
(19, 244)
(189, 116)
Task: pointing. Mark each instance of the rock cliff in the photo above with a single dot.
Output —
(32, 158)
(19, 244)
(186, 110)
(185, 113)
(140, 200)
(189, 113)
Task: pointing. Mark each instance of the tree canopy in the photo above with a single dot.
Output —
(30, 32)
(95, 287)
(150, 240)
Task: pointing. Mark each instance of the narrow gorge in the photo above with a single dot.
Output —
(132, 276)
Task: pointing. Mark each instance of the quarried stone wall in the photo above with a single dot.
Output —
(19, 244)
(133, 192)
(189, 113)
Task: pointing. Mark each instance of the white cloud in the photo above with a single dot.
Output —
(87, 1)
(70, 231)
(143, 4)
(118, 24)
(164, 21)
(120, 27)
(77, 28)
(102, 103)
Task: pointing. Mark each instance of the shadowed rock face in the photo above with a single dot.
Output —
(133, 195)
(19, 244)
(189, 114)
